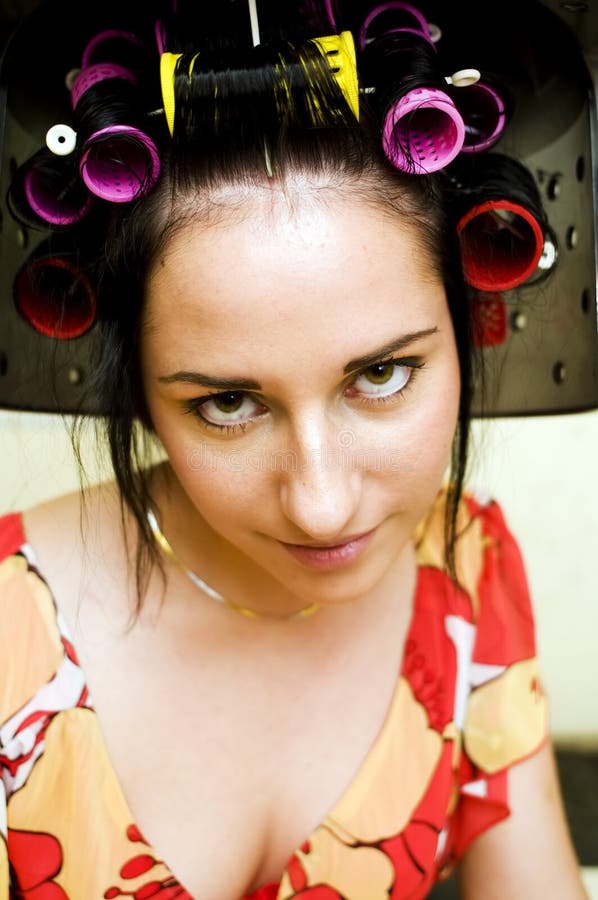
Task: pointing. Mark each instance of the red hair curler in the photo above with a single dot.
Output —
(55, 297)
(489, 318)
(501, 245)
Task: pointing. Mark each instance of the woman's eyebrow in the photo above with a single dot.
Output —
(248, 384)
(362, 362)
(224, 384)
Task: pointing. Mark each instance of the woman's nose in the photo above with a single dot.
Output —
(321, 490)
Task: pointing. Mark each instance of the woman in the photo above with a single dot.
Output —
(288, 659)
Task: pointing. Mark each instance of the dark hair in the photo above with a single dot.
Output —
(245, 115)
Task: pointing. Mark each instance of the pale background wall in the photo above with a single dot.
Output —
(544, 471)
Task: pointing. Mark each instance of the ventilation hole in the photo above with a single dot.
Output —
(580, 168)
(13, 166)
(572, 237)
(3, 363)
(585, 302)
(559, 372)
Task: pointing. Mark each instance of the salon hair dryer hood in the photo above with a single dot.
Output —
(545, 55)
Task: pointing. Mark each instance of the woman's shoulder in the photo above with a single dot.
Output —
(61, 538)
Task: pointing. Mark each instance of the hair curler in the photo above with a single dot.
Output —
(54, 192)
(339, 51)
(423, 131)
(501, 245)
(489, 319)
(96, 47)
(55, 297)
(119, 163)
(87, 78)
(409, 19)
(484, 113)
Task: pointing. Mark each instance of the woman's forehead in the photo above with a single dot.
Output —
(280, 258)
(327, 284)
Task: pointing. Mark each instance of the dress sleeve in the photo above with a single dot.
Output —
(31, 652)
(505, 716)
(11, 538)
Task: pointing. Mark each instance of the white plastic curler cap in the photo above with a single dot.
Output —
(464, 77)
(61, 140)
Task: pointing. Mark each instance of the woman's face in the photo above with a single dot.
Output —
(300, 369)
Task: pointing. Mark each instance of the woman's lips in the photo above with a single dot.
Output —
(330, 557)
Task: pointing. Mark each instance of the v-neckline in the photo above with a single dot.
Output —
(266, 888)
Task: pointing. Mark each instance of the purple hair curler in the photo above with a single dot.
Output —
(55, 297)
(96, 73)
(484, 114)
(413, 20)
(501, 245)
(160, 36)
(423, 131)
(55, 197)
(328, 6)
(92, 52)
(119, 163)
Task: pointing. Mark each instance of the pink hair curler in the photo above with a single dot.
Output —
(119, 163)
(412, 19)
(55, 297)
(501, 245)
(484, 114)
(423, 131)
(87, 78)
(92, 51)
(55, 197)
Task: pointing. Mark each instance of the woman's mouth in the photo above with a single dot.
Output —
(319, 556)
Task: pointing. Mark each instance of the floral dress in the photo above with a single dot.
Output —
(467, 705)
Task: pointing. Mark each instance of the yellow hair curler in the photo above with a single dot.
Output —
(339, 51)
(168, 62)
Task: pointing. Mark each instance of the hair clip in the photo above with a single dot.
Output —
(339, 51)
(501, 245)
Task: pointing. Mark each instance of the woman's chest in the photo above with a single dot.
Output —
(227, 768)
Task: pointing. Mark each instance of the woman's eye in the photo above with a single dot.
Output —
(383, 379)
(231, 408)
